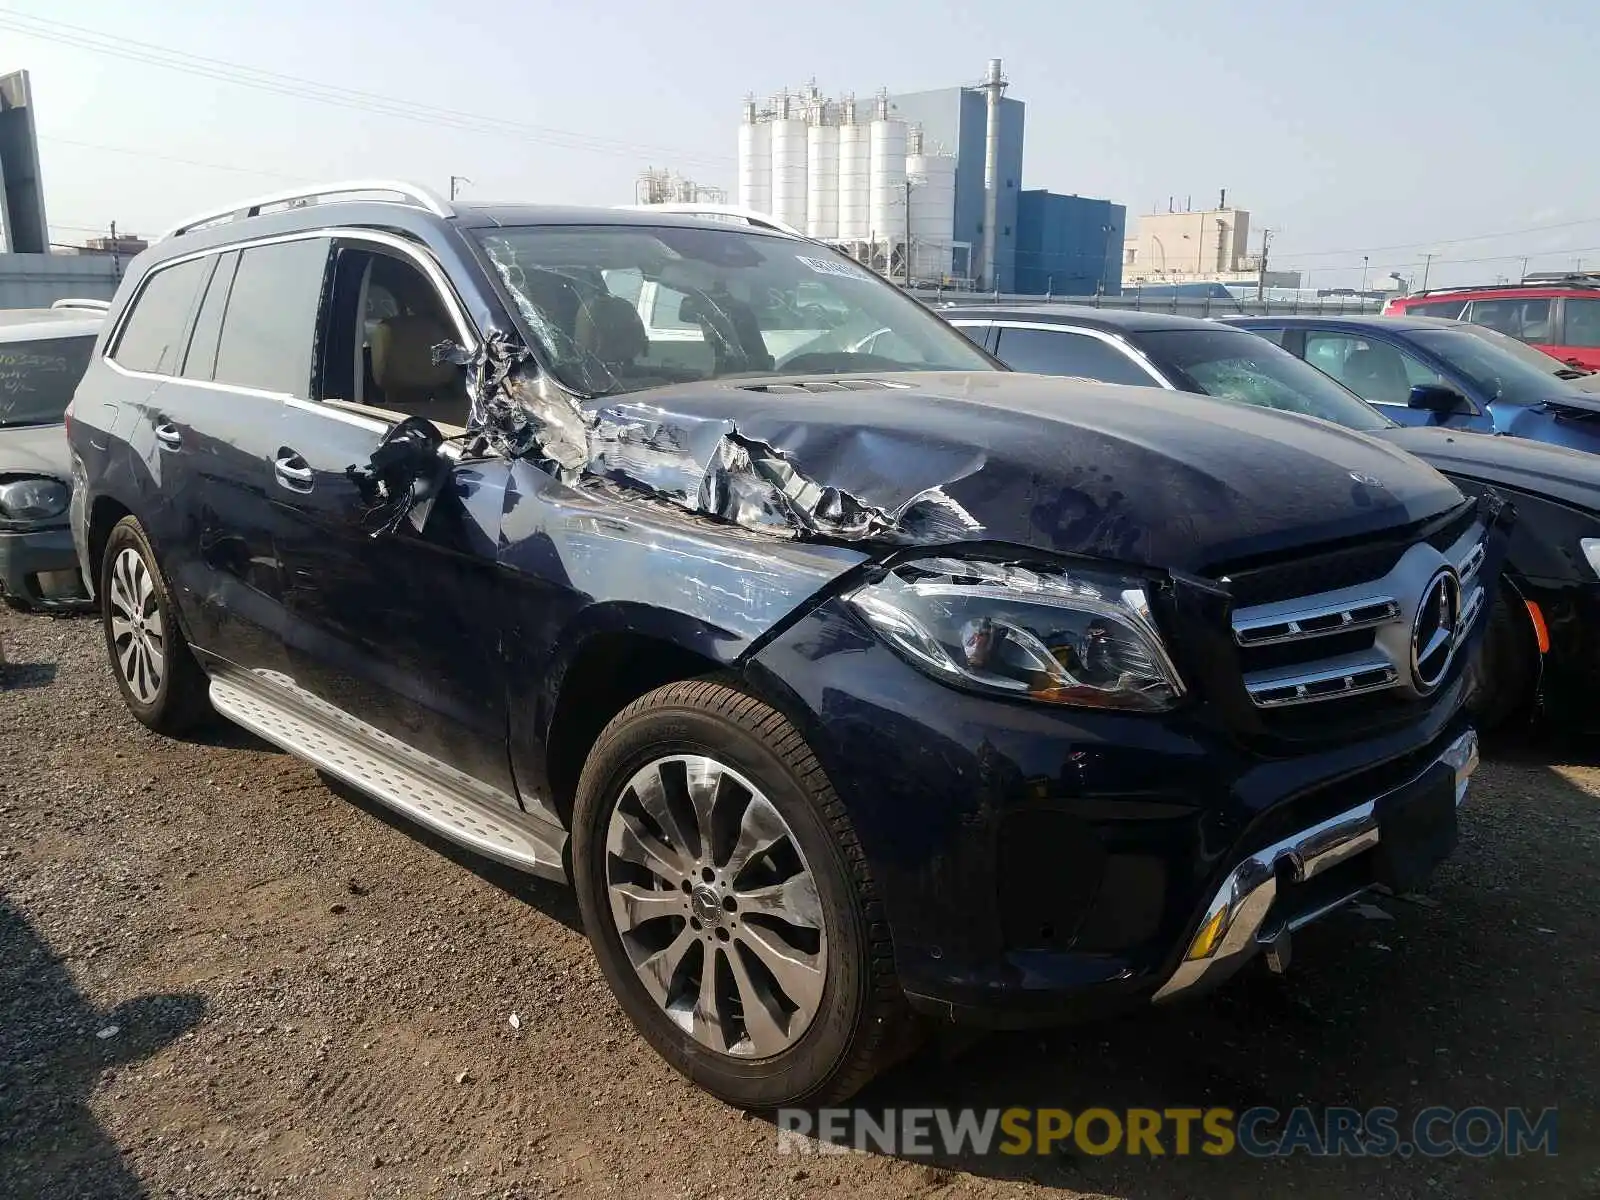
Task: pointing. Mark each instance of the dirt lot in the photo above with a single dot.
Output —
(220, 978)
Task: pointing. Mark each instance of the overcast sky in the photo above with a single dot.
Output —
(1383, 128)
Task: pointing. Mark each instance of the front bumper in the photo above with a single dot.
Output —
(39, 568)
(1256, 909)
(1038, 864)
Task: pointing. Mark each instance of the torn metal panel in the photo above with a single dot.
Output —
(517, 410)
(702, 464)
(705, 465)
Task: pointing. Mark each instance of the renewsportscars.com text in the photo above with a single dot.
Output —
(1478, 1132)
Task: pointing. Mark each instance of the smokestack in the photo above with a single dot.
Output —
(994, 87)
(1222, 200)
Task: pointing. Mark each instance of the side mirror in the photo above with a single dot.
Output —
(1438, 398)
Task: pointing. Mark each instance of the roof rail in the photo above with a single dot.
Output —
(748, 215)
(409, 193)
(85, 305)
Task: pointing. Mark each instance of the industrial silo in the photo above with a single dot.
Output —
(822, 179)
(789, 167)
(755, 162)
(854, 176)
(933, 213)
(886, 185)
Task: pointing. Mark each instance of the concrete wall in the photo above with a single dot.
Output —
(955, 120)
(37, 280)
(1068, 245)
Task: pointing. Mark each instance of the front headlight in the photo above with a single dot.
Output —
(34, 499)
(1075, 637)
(1591, 551)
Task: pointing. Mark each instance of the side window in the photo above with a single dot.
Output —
(1048, 352)
(270, 328)
(1452, 309)
(383, 319)
(1528, 320)
(977, 334)
(1582, 323)
(201, 361)
(152, 338)
(1376, 371)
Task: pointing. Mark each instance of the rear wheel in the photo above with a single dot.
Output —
(729, 903)
(1509, 669)
(157, 674)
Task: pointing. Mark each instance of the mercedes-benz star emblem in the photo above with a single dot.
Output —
(706, 906)
(1433, 635)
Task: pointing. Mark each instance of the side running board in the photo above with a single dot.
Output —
(431, 793)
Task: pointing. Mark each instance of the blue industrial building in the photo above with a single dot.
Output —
(1045, 242)
(1068, 245)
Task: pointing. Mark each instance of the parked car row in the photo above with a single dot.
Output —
(1557, 314)
(855, 682)
(1542, 640)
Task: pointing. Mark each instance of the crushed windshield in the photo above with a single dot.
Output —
(37, 378)
(1233, 365)
(1496, 373)
(622, 308)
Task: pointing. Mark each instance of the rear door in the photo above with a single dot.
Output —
(248, 355)
(1579, 341)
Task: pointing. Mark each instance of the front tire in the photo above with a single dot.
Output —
(157, 674)
(1510, 667)
(729, 902)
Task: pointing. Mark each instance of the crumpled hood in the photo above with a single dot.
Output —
(1571, 477)
(36, 450)
(1065, 465)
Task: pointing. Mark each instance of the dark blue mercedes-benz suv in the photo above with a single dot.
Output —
(852, 680)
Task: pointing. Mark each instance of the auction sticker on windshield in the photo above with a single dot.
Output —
(826, 266)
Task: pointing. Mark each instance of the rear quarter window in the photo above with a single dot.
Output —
(152, 336)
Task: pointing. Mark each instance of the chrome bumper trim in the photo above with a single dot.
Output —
(1246, 895)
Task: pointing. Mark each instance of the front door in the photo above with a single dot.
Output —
(1383, 374)
(397, 627)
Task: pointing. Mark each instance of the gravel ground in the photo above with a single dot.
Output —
(218, 977)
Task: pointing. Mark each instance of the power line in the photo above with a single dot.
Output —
(307, 89)
(188, 162)
(1475, 237)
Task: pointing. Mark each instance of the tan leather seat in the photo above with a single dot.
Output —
(404, 370)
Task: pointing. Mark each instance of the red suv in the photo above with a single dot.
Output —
(1560, 314)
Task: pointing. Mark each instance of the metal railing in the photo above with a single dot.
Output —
(1185, 306)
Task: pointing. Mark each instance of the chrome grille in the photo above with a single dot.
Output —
(1320, 652)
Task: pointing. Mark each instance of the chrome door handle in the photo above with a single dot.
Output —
(168, 436)
(292, 472)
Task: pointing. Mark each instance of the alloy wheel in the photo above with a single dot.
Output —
(138, 635)
(716, 906)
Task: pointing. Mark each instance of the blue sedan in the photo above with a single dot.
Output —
(1427, 371)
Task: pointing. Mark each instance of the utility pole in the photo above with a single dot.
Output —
(116, 253)
(1524, 274)
(908, 233)
(1261, 279)
(1364, 273)
(1427, 263)
(455, 179)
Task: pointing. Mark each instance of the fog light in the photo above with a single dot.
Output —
(59, 585)
(1210, 935)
